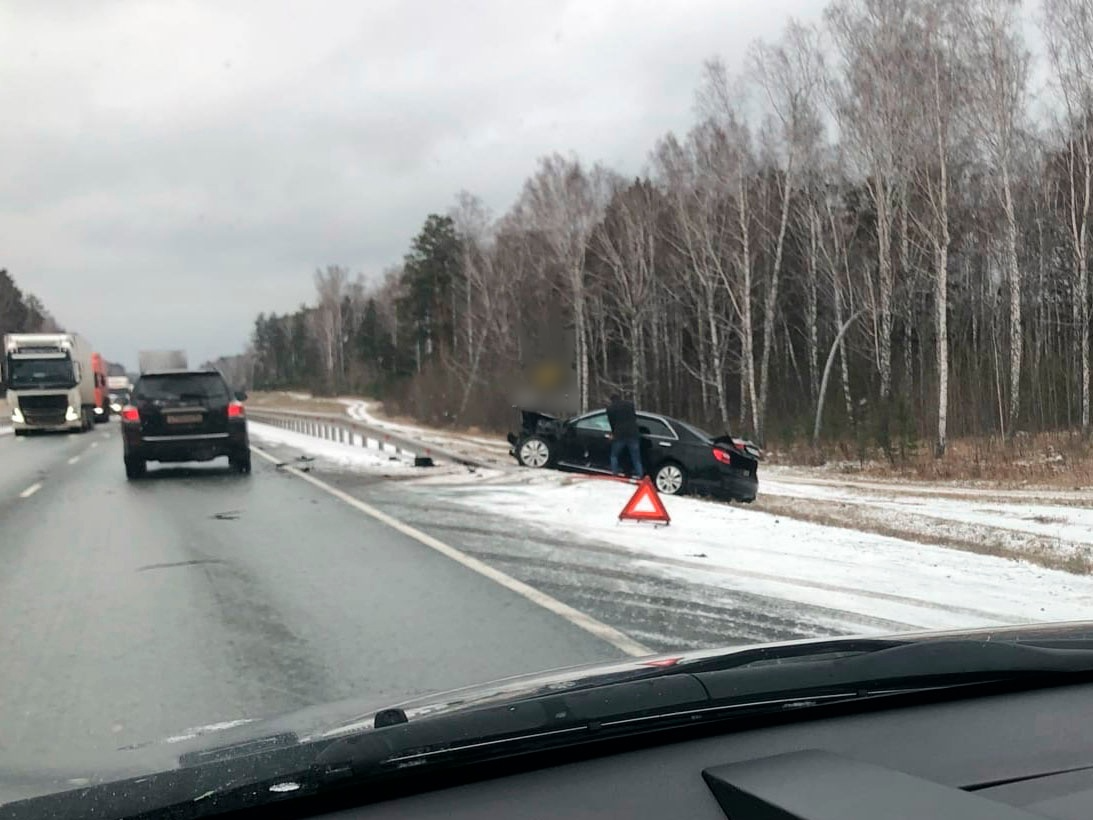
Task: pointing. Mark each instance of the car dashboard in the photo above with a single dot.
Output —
(1004, 756)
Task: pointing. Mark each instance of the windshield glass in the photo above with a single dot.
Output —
(37, 374)
(190, 385)
(414, 325)
(697, 431)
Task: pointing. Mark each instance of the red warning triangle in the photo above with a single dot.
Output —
(645, 505)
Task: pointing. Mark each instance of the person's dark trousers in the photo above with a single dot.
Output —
(633, 445)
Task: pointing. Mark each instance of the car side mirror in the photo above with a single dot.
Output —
(241, 395)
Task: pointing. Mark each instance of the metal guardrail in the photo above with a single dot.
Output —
(331, 427)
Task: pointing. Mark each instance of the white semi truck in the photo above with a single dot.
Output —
(50, 380)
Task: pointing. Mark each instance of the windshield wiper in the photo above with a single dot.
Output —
(743, 684)
(835, 672)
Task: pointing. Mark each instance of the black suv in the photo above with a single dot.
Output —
(184, 415)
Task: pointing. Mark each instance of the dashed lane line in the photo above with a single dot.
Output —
(31, 490)
(620, 640)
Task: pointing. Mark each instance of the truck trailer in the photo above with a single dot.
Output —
(157, 361)
(51, 381)
(102, 395)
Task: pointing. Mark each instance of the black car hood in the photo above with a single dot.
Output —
(337, 719)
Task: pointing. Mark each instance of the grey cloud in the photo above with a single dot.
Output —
(172, 170)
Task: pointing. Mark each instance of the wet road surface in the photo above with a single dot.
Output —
(132, 611)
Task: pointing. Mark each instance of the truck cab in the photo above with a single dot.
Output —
(50, 382)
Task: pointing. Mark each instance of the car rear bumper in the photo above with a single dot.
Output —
(201, 447)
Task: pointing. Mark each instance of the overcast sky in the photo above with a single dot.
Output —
(172, 168)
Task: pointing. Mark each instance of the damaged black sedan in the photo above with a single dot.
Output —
(678, 456)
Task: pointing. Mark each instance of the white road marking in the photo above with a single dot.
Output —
(73, 460)
(31, 490)
(620, 640)
(94, 444)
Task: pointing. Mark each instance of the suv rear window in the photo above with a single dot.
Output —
(209, 386)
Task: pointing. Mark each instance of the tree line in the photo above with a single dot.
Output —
(879, 211)
(22, 312)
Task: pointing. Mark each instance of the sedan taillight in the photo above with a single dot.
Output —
(130, 414)
(722, 455)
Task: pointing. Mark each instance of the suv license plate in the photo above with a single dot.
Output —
(189, 418)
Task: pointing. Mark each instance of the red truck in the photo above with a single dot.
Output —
(102, 394)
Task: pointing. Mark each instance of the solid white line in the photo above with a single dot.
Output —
(620, 640)
(73, 460)
(31, 490)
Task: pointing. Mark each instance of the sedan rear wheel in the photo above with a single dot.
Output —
(670, 479)
(534, 452)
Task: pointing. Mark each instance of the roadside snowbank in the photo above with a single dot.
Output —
(1066, 527)
(858, 572)
(332, 452)
(867, 576)
(362, 411)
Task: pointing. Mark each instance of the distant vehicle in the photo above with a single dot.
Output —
(51, 380)
(120, 389)
(184, 415)
(680, 457)
(102, 395)
(118, 383)
(159, 360)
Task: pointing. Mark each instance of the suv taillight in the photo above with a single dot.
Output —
(236, 411)
(130, 414)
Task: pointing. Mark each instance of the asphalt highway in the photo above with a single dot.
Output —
(136, 611)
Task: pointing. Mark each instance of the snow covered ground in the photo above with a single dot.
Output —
(489, 448)
(856, 577)
(1062, 528)
(342, 455)
(841, 569)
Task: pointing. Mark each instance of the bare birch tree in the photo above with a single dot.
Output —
(937, 79)
(566, 204)
(870, 104)
(995, 108)
(790, 74)
(1068, 30)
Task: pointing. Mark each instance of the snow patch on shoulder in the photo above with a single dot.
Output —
(345, 455)
(869, 575)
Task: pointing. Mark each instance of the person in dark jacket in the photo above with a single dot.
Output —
(625, 434)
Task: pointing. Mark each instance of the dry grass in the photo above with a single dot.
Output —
(1050, 460)
(285, 401)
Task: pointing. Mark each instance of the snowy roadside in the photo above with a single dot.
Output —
(868, 582)
(363, 411)
(341, 455)
(1050, 528)
(5, 431)
(1055, 535)
(856, 572)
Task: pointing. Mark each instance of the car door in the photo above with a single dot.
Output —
(588, 443)
(659, 442)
